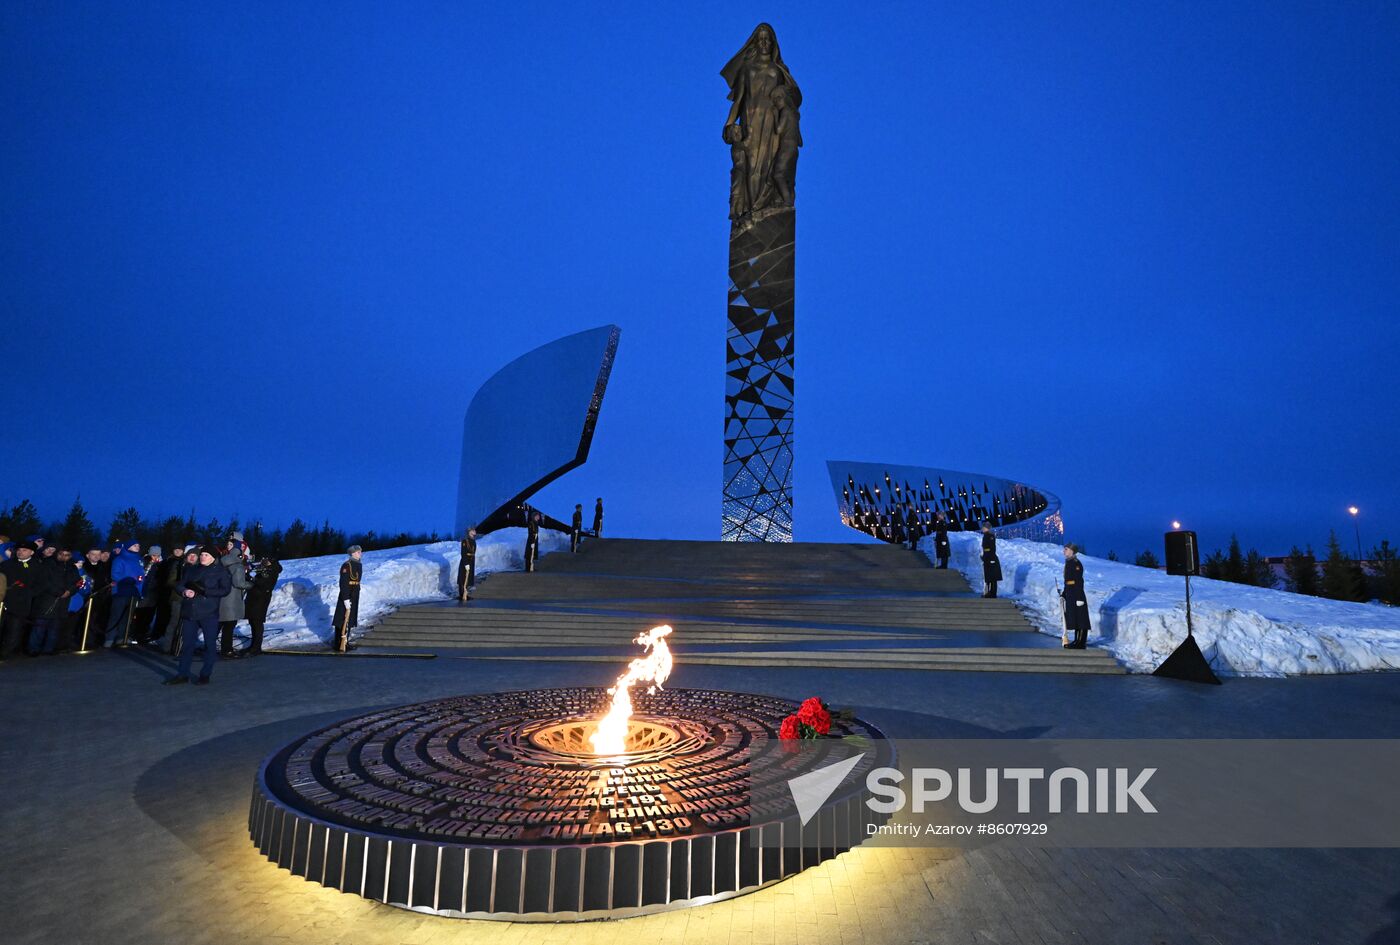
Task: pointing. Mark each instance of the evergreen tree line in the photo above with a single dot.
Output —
(77, 532)
(1340, 576)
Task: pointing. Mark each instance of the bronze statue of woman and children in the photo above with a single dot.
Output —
(762, 129)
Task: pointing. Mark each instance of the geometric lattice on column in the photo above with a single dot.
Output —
(758, 393)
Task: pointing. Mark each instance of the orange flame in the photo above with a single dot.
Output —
(610, 737)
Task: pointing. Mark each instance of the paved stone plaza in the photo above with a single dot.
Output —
(127, 807)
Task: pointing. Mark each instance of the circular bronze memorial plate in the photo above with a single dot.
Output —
(495, 806)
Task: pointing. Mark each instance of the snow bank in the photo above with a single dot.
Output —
(304, 600)
(1140, 615)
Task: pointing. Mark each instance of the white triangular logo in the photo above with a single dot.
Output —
(810, 791)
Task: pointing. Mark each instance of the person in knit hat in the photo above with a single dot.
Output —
(202, 586)
(128, 574)
(31, 587)
(147, 605)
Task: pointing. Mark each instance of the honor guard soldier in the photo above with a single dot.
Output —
(466, 568)
(598, 518)
(576, 528)
(991, 567)
(941, 546)
(347, 609)
(1076, 604)
(532, 541)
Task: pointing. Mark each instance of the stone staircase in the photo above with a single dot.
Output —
(857, 606)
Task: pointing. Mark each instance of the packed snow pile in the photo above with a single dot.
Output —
(1140, 614)
(305, 598)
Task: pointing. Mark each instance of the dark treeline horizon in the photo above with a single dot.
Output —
(1336, 574)
(1122, 550)
(77, 531)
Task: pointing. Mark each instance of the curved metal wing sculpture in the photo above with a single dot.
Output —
(531, 422)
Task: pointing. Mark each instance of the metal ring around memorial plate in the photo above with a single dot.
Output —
(493, 806)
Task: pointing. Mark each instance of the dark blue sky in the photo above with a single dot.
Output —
(256, 257)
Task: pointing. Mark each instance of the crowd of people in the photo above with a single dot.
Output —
(70, 600)
(56, 600)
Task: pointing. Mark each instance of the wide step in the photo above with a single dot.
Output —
(844, 606)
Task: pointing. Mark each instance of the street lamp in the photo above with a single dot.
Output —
(1355, 512)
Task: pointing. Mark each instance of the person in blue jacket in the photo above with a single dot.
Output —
(79, 586)
(201, 588)
(128, 574)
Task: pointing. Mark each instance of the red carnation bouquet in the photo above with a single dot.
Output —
(812, 720)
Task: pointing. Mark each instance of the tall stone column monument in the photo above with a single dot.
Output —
(763, 135)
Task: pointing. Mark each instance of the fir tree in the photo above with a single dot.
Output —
(1214, 565)
(1112, 555)
(257, 539)
(278, 544)
(1300, 570)
(170, 534)
(21, 521)
(1339, 576)
(295, 541)
(1257, 571)
(1233, 566)
(327, 541)
(126, 525)
(77, 533)
(1361, 586)
(1387, 573)
(1147, 560)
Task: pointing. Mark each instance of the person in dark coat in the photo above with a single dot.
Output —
(576, 528)
(31, 588)
(158, 586)
(144, 615)
(70, 586)
(532, 542)
(264, 582)
(466, 567)
(26, 575)
(184, 557)
(991, 566)
(1076, 603)
(942, 548)
(128, 574)
(202, 587)
(598, 518)
(101, 574)
(88, 624)
(347, 608)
